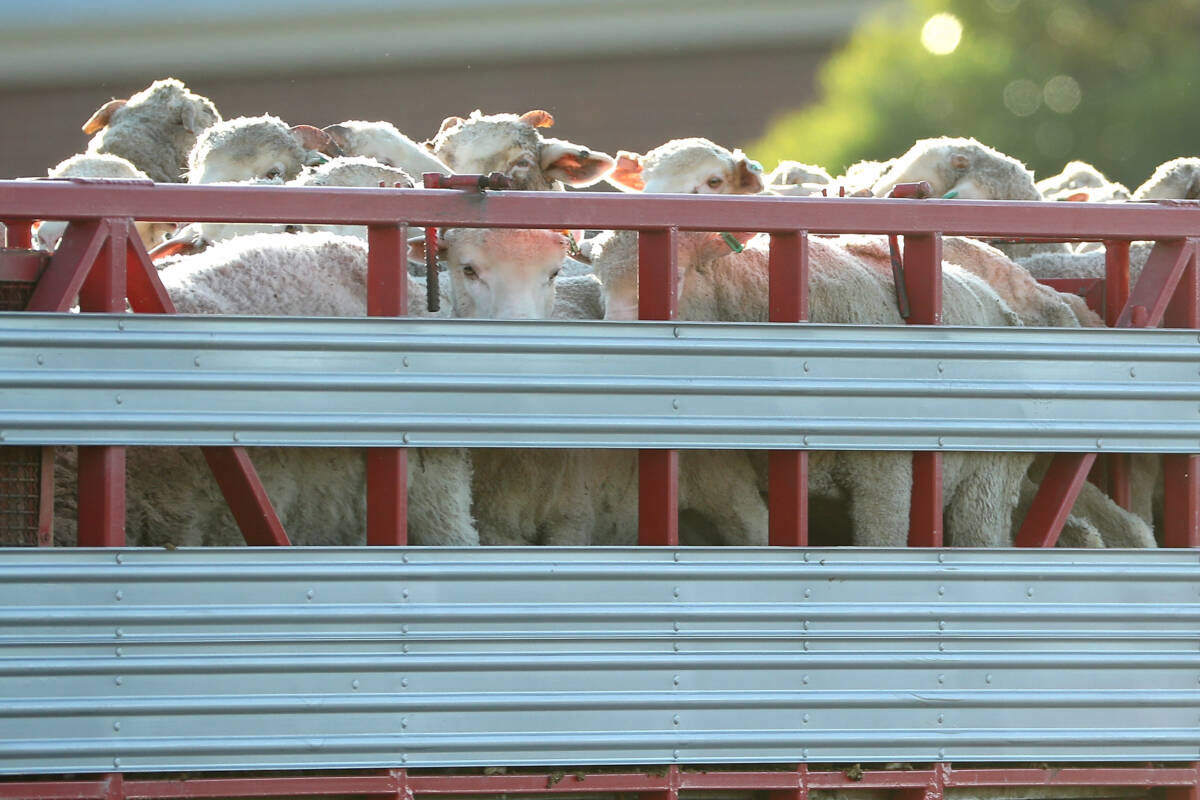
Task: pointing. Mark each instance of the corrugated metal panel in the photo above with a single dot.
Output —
(254, 659)
(138, 379)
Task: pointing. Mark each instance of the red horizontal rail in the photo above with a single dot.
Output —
(571, 780)
(573, 210)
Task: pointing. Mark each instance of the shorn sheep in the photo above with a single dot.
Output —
(154, 129)
(318, 493)
(687, 166)
(257, 147)
(383, 142)
(514, 146)
(100, 165)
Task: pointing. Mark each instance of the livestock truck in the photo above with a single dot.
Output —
(661, 671)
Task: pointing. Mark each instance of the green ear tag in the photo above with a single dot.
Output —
(733, 243)
(950, 195)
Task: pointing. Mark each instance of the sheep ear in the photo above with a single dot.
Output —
(338, 133)
(537, 118)
(719, 245)
(574, 165)
(959, 161)
(748, 176)
(627, 175)
(103, 116)
(317, 140)
(450, 122)
(187, 116)
(1193, 190)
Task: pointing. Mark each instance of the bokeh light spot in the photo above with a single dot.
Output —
(1062, 94)
(941, 34)
(1022, 97)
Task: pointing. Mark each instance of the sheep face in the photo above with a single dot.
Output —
(688, 166)
(387, 145)
(503, 274)
(961, 168)
(512, 145)
(256, 147)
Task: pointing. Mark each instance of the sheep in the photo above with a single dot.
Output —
(1080, 181)
(717, 284)
(514, 146)
(257, 147)
(100, 165)
(154, 129)
(351, 171)
(1178, 179)
(387, 145)
(317, 492)
(581, 496)
(860, 176)
(687, 166)
(794, 173)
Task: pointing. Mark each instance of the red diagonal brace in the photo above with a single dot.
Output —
(69, 266)
(1156, 284)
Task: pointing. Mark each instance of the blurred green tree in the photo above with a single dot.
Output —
(1110, 82)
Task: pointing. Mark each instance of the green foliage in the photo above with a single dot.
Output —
(1111, 82)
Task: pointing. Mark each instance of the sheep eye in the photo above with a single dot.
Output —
(554, 275)
(522, 163)
(469, 271)
(272, 173)
(715, 182)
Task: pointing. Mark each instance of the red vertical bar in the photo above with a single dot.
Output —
(658, 470)
(102, 469)
(1181, 472)
(799, 793)
(923, 279)
(387, 467)
(1116, 466)
(20, 234)
(787, 470)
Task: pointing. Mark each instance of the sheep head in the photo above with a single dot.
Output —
(688, 166)
(514, 146)
(257, 147)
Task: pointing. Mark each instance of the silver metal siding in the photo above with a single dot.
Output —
(142, 379)
(257, 659)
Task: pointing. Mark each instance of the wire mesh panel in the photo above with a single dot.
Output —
(20, 467)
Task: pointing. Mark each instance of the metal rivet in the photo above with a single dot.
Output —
(675, 403)
(675, 647)
(941, 590)
(1029, 592)
(941, 558)
(806, 366)
(941, 625)
(675, 592)
(116, 762)
(236, 438)
(804, 439)
(403, 648)
(404, 594)
(941, 718)
(404, 361)
(805, 717)
(804, 679)
(805, 624)
(804, 752)
(354, 684)
(119, 400)
(40, 360)
(120, 559)
(941, 367)
(987, 678)
(119, 594)
(404, 758)
(120, 325)
(120, 651)
(941, 442)
(404, 438)
(806, 646)
(941, 678)
(675, 332)
(404, 683)
(941, 752)
(1099, 443)
(116, 726)
(676, 556)
(675, 720)
(196, 361)
(674, 754)
(119, 632)
(1132, 372)
(808, 592)
(675, 680)
(118, 680)
(404, 558)
(941, 647)
(310, 594)
(404, 629)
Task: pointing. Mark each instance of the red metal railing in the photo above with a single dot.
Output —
(101, 260)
